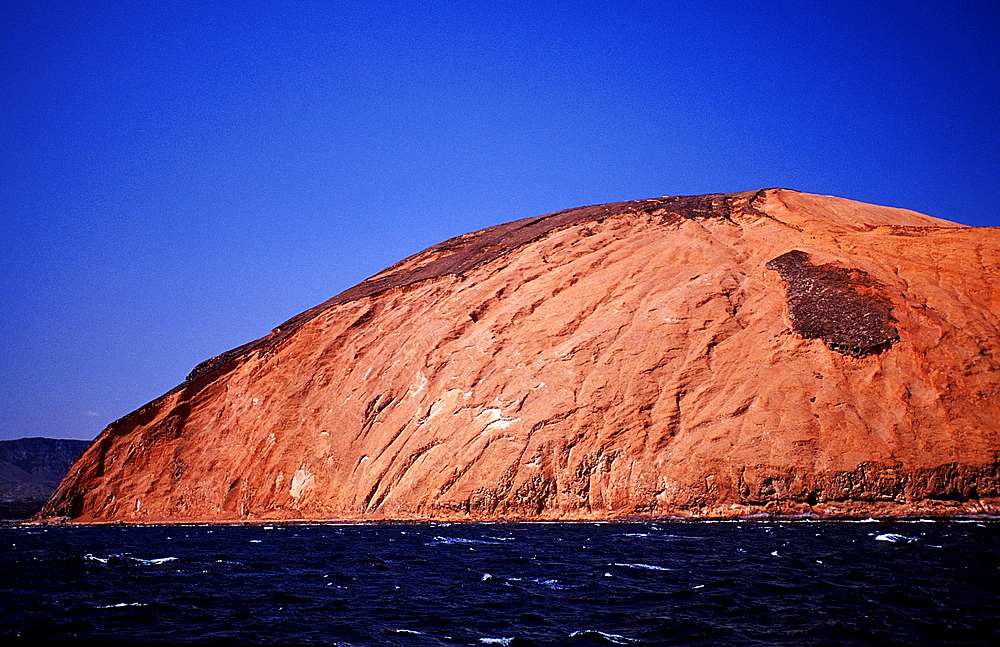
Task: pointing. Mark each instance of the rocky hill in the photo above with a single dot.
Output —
(30, 470)
(771, 352)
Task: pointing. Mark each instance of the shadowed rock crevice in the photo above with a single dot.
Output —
(842, 306)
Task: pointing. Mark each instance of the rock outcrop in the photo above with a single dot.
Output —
(770, 352)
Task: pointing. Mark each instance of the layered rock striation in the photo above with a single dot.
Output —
(769, 352)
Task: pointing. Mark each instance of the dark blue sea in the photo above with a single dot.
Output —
(701, 583)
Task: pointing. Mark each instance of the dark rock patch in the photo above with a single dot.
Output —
(842, 306)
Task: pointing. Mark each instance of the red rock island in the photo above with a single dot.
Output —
(709, 356)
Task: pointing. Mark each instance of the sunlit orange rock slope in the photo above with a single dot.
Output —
(772, 352)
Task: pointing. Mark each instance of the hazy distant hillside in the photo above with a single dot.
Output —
(30, 470)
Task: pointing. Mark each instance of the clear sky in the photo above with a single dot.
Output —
(177, 178)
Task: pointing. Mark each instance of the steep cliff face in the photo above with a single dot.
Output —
(718, 355)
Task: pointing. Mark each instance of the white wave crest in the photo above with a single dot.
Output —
(617, 639)
(648, 567)
(129, 558)
(893, 537)
(446, 541)
(155, 560)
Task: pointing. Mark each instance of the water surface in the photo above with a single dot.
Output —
(704, 583)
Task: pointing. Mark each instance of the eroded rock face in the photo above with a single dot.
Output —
(719, 355)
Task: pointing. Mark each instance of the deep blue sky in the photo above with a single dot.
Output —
(177, 178)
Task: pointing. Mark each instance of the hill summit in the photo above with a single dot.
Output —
(769, 352)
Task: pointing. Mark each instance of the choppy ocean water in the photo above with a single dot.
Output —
(702, 583)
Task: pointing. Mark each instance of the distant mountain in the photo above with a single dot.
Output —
(30, 470)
